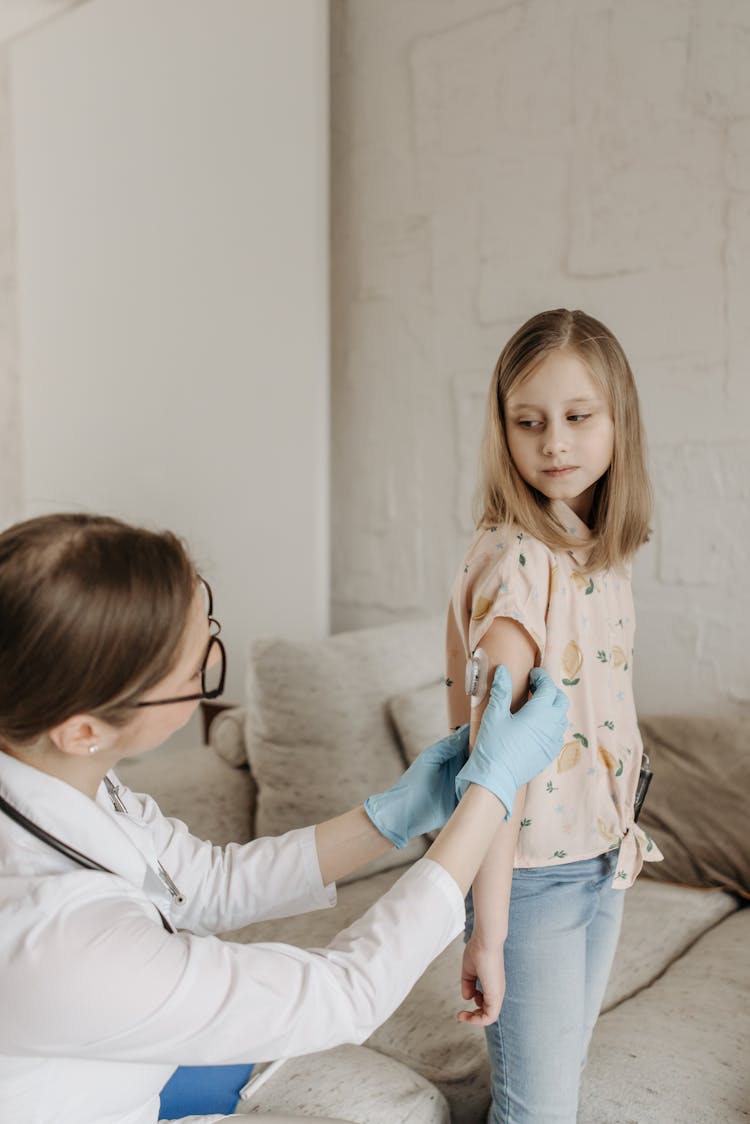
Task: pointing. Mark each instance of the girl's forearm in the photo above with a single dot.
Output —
(492, 885)
(464, 842)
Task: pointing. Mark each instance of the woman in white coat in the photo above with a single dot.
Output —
(109, 975)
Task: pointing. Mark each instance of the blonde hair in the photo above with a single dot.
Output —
(622, 506)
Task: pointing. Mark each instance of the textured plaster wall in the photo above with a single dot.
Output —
(10, 418)
(171, 171)
(17, 17)
(494, 159)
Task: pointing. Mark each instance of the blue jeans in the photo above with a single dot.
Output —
(563, 927)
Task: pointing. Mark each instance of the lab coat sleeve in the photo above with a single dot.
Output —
(228, 887)
(100, 978)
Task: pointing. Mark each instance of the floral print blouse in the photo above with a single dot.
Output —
(582, 626)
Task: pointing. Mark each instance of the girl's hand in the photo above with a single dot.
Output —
(485, 963)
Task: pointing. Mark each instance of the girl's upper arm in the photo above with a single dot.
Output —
(455, 666)
(506, 642)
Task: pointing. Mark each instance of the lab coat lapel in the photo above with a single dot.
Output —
(87, 825)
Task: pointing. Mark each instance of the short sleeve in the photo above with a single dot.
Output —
(510, 577)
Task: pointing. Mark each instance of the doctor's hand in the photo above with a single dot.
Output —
(510, 749)
(425, 796)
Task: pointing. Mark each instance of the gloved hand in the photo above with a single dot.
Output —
(510, 749)
(425, 796)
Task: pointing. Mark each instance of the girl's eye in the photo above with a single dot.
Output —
(528, 423)
(578, 417)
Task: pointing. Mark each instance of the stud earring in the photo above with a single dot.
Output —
(93, 749)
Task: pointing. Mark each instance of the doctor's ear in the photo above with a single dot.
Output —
(80, 735)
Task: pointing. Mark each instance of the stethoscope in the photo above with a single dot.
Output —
(85, 860)
(261, 1073)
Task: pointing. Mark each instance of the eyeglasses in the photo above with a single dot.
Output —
(212, 678)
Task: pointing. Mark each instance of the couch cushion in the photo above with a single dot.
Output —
(319, 738)
(678, 1050)
(420, 717)
(352, 1083)
(696, 808)
(660, 922)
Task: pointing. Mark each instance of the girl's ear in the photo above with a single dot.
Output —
(79, 736)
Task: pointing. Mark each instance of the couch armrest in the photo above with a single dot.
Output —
(226, 735)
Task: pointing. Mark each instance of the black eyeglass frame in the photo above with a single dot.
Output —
(214, 692)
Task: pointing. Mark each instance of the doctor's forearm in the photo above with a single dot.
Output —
(346, 843)
(351, 840)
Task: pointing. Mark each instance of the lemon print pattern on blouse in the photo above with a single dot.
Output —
(616, 657)
(607, 834)
(582, 582)
(607, 758)
(615, 765)
(570, 754)
(572, 662)
(481, 608)
(569, 757)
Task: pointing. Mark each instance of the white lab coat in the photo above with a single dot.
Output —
(100, 1003)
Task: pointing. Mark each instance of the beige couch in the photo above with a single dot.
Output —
(326, 724)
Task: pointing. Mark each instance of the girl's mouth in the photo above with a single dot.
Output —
(562, 471)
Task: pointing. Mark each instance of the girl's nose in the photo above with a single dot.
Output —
(554, 440)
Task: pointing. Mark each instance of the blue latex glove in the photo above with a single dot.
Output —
(425, 796)
(510, 749)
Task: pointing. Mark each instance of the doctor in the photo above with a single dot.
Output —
(109, 975)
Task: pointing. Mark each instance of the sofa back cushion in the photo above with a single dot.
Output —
(696, 807)
(420, 717)
(319, 736)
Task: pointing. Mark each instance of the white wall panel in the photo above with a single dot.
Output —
(172, 167)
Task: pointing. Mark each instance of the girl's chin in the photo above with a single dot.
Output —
(559, 489)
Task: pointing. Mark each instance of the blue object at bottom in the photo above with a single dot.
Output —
(197, 1090)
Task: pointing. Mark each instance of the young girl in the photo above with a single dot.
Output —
(564, 504)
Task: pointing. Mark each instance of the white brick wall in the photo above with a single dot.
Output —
(492, 159)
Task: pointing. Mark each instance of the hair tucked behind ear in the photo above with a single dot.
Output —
(622, 506)
(92, 613)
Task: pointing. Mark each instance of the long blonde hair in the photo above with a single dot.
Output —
(622, 505)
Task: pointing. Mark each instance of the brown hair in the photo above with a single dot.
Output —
(622, 506)
(92, 614)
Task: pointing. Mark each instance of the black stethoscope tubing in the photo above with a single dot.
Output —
(64, 848)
